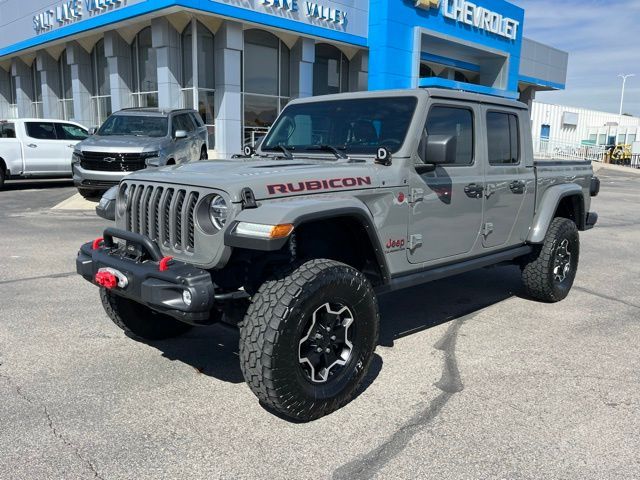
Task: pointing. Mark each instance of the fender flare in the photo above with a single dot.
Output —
(548, 207)
(299, 212)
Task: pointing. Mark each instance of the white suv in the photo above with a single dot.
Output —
(34, 147)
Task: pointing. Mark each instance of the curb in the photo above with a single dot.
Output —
(617, 168)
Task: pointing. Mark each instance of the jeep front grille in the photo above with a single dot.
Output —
(164, 214)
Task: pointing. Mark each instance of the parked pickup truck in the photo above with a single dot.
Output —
(33, 147)
(134, 138)
(348, 196)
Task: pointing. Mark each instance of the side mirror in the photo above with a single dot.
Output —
(107, 206)
(438, 150)
(180, 134)
(93, 130)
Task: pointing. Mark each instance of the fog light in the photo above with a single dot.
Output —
(186, 297)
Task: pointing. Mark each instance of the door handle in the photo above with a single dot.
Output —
(517, 187)
(473, 190)
(70, 145)
(32, 145)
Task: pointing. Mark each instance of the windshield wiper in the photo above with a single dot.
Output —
(330, 148)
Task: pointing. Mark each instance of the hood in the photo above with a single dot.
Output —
(267, 178)
(120, 144)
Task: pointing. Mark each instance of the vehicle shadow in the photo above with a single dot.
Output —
(14, 185)
(213, 351)
(426, 306)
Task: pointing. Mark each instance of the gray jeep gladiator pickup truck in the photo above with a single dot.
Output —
(348, 196)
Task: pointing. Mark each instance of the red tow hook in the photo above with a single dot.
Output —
(106, 279)
(96, 243)
(164, 264)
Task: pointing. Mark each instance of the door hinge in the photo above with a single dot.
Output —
(417, 194)
(487, 228)
(415, 241)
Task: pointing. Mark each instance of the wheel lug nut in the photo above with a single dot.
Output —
(328, 329)
(333, 338)
(319, 349)
(327, 350)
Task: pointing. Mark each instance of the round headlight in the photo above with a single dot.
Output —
(218, 211)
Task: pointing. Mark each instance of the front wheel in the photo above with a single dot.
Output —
(549, 272)
(139, 321)
(308, 338)
(204, 155)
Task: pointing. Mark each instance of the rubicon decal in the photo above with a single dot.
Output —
(316, 185)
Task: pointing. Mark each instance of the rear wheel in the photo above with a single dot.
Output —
(203, 153)
(308, 337)
(139, 321)
(549, 272)
(3, 175)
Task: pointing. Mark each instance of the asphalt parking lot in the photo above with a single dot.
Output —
(470, 380)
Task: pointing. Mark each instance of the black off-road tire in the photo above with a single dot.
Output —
(139, 321)
(538, 272)
(204, 155)
(3, 176)
(276, 322)
(90, 194)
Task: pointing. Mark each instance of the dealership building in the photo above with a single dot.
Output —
(238, 62)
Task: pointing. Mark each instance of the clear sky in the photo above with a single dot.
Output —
(602, 40)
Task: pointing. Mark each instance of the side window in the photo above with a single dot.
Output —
(196, 119)
(189, 123)
(455, 122)
(7, 130)
(181, 122)
(41, 130)
(67, 131)
(503, 138)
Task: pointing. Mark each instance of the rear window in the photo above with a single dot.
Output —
(7, 130)
(41, 130)
(503, 138)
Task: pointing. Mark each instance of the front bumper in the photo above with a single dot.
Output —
(591, 220)
(138, 261)
(96, 179)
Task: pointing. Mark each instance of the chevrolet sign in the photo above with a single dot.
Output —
(469, 13)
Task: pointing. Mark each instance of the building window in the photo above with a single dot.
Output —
(145, 70)
(36, 104)
(13, 102)
(199, 93)
(330, 70)
(66, 90)
(100, 94)
(265, 82)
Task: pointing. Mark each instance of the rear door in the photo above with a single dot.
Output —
(41, 148)
(447, 203)
(10, 147)
(510, 182)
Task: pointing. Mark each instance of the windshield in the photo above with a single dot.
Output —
(134, 125)
(356, 126)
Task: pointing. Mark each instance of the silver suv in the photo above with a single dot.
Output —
(133, 139)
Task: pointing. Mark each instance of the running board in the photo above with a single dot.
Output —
(444, 271)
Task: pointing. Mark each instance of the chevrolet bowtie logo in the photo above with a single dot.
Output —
(427, 4)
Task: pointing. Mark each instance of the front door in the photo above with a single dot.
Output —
(41, 148)
(510, 182)
(447, 203)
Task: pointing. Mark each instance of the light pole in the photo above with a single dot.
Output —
(624, 83)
